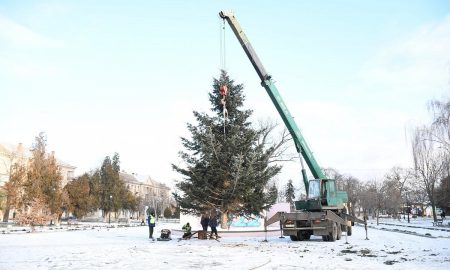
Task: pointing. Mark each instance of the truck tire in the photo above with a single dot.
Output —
(333, 234)
(293, 238)
(308, 235)
(339, 232)
(325, 238)
(303, 235)
(349, 231)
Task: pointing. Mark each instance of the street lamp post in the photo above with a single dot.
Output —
(110, 204)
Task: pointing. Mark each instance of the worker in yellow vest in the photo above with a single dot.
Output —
(187, 231)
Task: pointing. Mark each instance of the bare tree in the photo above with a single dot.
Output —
(415, 191)
(430, 162)
(390, 192)
(332, 173)
(372, 198)
(352, 186)
(443, 194)
(280, 145)
(280, 193)
(440, 128)
(398, 178)
(441, 134)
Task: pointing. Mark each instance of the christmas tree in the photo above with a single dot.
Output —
(227, 161)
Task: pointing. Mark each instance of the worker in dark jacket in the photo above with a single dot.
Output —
(151, 224)
(213, 225)
(204, 222)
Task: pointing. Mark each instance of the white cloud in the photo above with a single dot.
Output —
(29, 70)
(363, 142)
(17, 34)
(418, 61)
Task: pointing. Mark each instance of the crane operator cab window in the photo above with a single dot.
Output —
(323, 196)
(314, 189)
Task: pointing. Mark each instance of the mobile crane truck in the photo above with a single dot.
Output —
(323, 212)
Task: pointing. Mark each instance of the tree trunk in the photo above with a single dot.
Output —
(7, 209)
(6, 214)
(433, 210)
(224, 220)
(352, 207)
(378, 216)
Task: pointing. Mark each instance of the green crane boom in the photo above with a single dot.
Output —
(267, 83)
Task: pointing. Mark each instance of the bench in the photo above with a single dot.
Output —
(71, 221)
(123, 221)
(438, 222)
(92, 219)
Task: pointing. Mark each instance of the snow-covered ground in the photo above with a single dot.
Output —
(393, 246)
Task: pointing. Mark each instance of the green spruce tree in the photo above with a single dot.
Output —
(290, 193)
(110, 185)
(80, 202)
(227, 160)
(112, 191)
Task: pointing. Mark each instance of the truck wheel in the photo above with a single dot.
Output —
(339, 232)
(307, 235)
(303, 235)
(349, 231)
(325, 238)
(300, 236)
(293, 238)
(333, 234)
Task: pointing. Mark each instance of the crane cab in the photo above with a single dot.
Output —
(322, 194)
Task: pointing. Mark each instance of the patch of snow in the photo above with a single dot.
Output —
(101, 247)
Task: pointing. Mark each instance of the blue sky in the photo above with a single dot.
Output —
(124, 76)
